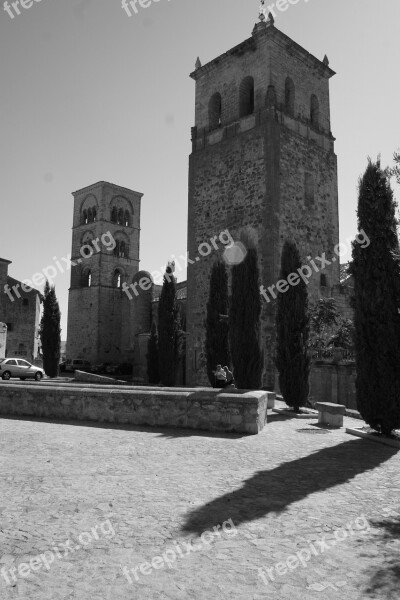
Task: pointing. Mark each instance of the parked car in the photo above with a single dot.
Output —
(17, 367)
(77, 364)
(105, 369)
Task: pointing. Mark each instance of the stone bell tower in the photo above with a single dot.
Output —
(105, 255)
(262, 163)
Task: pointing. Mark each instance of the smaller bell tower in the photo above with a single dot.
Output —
(105, 255)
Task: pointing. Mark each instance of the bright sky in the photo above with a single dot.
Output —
(89, 94)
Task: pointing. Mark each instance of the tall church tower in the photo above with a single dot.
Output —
(105, 254)
(263, 165)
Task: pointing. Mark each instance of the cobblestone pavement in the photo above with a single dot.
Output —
(319, 509)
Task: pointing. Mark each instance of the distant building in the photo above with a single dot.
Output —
(20, 311)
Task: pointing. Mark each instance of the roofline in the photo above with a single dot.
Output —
(103, 183)
(249, 44)
(4, 260)
(34, 290)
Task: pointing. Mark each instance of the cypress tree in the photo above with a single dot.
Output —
(50, 332)
(153, 371)
(292, 327)
(217, 339)
(376, 273)
(169, 331)
(244, 323)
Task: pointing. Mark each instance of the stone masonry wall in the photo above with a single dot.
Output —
(22, 314)
(269, 174)
(335, 383)
(191, 409)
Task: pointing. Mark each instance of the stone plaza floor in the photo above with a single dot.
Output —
(133, 513)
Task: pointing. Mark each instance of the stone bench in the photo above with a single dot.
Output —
(330, 413)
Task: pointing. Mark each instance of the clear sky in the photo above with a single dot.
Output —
(89, 94)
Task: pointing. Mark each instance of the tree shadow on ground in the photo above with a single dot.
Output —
(273, 417)
(385, 582)
(276, 489)
(180, 433)
(167, 432)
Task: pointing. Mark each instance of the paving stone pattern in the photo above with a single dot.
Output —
(291, 486)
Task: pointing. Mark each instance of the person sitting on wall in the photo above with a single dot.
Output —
(220, 377)
(229, 376)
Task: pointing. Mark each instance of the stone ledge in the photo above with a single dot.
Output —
(374, 438)
(94, 378)
(330, 407)
(210, 410)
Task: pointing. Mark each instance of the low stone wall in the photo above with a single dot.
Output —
(210, 410)
(334, 382)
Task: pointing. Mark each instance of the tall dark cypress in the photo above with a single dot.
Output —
(217, 342)
(169, 331)
(153, 370)
(50, 332)
(376, 272)
(292, 328)
(244, 323)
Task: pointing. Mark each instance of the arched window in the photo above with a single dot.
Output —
(127, 219)
(94, 214)
(324, 281)
(314, 111)
(87, 278)
(246, 97)
(114, 215)
(116, 249)
(120, 217)
(117, 279)
(84, 217)
(270, 100)
(90, 215)
(215, 111)
(122, 249)
(289, 97)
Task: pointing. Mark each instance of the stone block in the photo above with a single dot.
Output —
(330, 414)
(330, 407)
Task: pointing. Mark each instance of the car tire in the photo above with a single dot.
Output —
(22, 378)
(6, 375)
(38, 376)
